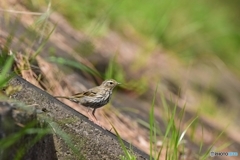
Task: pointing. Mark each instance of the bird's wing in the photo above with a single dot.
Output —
(89, 93)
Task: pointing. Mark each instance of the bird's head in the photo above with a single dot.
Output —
(111, 83)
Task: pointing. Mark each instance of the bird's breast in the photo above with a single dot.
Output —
(96, 101)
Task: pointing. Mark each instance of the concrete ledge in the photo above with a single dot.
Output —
(73, 135)
(15, 123)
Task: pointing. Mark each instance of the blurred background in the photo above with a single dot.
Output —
(184, 53)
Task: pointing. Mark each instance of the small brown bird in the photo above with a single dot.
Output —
(95, 97)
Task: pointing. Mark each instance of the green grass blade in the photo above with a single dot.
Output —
(184, 132)
(208, 151)
(128, 155)
(152, 125)
(4, 74)
(75, 64)
(43, 44)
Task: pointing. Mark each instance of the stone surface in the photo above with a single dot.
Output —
(73, 135)
(16, 122)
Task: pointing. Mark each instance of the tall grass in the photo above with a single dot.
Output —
(172, 140)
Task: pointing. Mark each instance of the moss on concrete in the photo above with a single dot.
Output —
(74, 136)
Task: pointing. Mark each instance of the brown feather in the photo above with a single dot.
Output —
(95, 97)
(89, 93)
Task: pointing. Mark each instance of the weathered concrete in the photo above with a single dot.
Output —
(73, 135)
(15, 123)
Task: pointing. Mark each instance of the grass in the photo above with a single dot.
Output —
(7, 62)
(152, 127)
(194, 30)
(173, 141)
(128, 154)
(76, 65)
(113, 71)
(13, 135)
(29, 134)
(32, 132)
(67, 138)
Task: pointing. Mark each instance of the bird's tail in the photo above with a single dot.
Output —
(61, 97)
(69, 98)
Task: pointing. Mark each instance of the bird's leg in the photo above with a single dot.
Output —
(89, 114)
(96, 120)
(92, 117)
(93, 113)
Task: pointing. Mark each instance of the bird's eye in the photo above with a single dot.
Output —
(111, 82)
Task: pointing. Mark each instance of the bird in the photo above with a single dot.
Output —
(95, 97)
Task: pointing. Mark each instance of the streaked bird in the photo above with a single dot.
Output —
(95, 97)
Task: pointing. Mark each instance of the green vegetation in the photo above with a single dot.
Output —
(75, 64)
(173, 141)
(7, 62)
(128, 155)
(194, 30)
(29, 134)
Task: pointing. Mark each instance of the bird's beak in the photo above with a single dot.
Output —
(118, 83)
